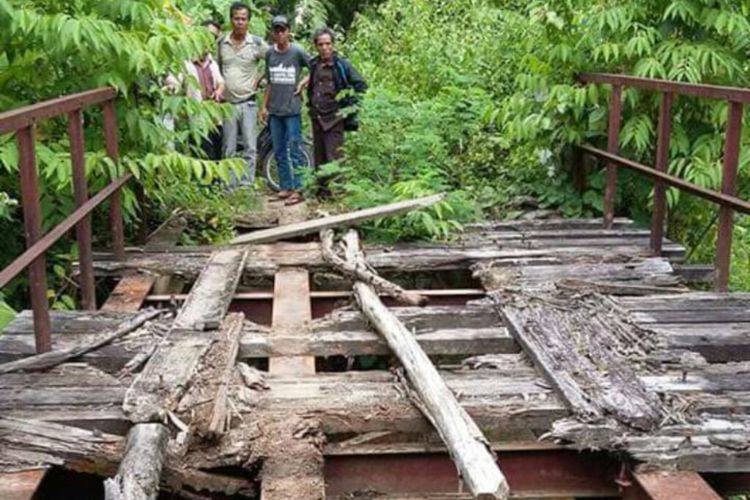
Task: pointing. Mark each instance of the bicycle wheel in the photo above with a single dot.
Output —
(271, 173)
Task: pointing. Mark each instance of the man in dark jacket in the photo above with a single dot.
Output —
(333, 92)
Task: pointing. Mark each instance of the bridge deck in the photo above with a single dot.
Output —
(694, 369)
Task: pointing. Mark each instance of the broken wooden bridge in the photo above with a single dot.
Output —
(589, 367)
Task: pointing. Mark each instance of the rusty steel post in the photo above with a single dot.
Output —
(728, 186)
(115, 203)
(662, 162)
(80, 192)
(613, 146)
(32, 219)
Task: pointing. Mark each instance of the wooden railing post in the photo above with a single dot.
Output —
(728, 187)
(32, 219)
(662, 162)
(613, 146)
(80, 192)
(115, 203)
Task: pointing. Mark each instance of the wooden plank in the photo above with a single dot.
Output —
(292, 313)
(21, 485)
(581, 345)
(551, 224)
(468, 446)
(688, 316)
(334, 221)
(209, 299)
(668, 485)
(129, 294)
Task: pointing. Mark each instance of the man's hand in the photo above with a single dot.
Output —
(264, 115)
(218, 95)
(302, 85)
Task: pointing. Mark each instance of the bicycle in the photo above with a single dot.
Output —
(266, 161)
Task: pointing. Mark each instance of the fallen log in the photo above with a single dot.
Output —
(463, 438)
(341, 220)
(360, 271)
(51, 359)
(140, 470)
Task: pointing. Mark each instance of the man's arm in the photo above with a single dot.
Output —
(356, 80)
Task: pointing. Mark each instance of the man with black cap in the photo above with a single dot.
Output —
(282, 108)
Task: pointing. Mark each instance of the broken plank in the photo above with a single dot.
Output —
(292, 313)
(468, 446)
(209, 299)
(578, 344)
(334, 221)
(205, 405)
(167, 375)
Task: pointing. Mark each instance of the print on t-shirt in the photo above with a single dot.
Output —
(283, 75)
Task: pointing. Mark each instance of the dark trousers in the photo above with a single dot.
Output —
(211, 145)
(327, 148)
(327, 143)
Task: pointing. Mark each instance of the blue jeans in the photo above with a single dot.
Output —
(286, 135)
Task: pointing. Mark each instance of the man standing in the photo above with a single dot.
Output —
(239, 54)
(331, 113)
(201, 80)
(282, 107)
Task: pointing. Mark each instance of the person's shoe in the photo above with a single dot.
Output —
(294, 199)
(283, 195)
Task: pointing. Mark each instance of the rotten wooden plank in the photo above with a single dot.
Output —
(584, 349)
(342, 220)
(162, 383)
(209, 299)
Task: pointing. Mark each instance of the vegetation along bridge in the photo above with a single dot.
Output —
(535, 358)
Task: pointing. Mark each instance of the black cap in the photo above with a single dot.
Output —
(279, 21)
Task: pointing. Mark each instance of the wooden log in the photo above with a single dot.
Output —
(342, 220)
(140, 470)
(365, 275)
(468, 447)
(53, 358)
(209, 299)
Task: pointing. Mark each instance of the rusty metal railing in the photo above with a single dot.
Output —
(726, 199)
(23, 121)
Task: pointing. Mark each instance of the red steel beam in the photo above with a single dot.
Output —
(37, 248)
(80, 192)
(613, 146)
(728, 187)
(543, 473)
(20, 118)
(32, 219)
(689, 89)
(662, 162)
(672, 181)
